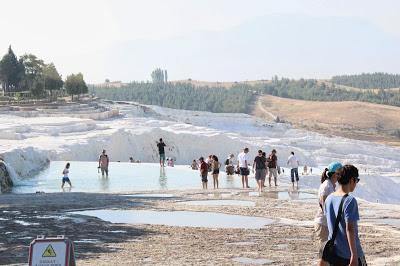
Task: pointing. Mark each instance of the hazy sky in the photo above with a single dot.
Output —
(205, 39)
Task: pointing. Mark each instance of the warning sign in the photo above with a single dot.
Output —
(49, 252)
(57, 251)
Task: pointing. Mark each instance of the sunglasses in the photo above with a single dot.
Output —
(356, 179)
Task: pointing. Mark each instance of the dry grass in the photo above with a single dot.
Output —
(357, 120)
(365, 121)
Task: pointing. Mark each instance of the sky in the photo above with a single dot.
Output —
(215, 40)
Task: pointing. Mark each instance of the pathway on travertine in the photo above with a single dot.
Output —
(265, 111)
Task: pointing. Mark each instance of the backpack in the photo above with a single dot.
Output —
(227, 162)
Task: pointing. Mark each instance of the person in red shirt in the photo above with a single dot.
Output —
(203, 172)
(273, 167)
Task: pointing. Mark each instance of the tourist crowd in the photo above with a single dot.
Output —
(336, 221)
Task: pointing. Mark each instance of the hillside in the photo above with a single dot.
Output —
(233, 97)
(358, 120)
(229, 84)
(354, 89)
(377, 80)
(238, 99)
(221, 84)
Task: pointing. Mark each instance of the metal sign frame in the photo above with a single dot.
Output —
(69, 252)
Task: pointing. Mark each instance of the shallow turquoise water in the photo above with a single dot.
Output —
(245, 203)
(179, 218)
(123, 177)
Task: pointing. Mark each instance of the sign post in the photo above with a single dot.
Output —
(51, 251)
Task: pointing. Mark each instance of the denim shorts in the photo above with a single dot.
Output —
(294, 172)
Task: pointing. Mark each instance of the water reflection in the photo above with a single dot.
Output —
(230, 181)
(66, 189)
(294, 194)
(179, 218)
(163, 178)
(104, 183)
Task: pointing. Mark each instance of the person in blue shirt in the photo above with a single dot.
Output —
(347, 242)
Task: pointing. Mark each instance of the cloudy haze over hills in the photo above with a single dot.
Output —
(206, 40)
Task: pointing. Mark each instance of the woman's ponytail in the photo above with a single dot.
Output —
(325, 175)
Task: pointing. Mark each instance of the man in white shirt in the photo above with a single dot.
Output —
(293, 163)
(243, 163)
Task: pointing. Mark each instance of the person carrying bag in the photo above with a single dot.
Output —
(328, 250)
(344, 246)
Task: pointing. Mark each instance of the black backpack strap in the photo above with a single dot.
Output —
(338, 218)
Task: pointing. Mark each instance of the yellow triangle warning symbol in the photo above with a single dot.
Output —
(49, 252)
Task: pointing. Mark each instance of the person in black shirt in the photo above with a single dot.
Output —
(260, 164)
(161, 151)
(264, 154)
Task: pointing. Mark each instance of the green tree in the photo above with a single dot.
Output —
(34, 78)
(239, 98)
(33, 67)
(75, 85)
(52, 79)
(376, 80)
(37, 88)
(11, 71)
(158, 76)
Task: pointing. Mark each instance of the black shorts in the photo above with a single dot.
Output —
(215, 172)
(204, 179)
(244, 171)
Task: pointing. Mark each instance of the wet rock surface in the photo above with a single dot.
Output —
(5, 180)
(23, 217)
(287, 241)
